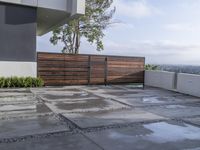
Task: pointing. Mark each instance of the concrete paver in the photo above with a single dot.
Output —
(85, 105)
(106, 118)
(23, 110)
(175, 111)
(193, 120)
(146, 99)
(66, 142)
(75, 101)
(118, 117)
(153, 136)
(20, 127)
(14, 92)
(17, 99)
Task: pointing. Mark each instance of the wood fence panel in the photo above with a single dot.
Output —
(125, 70)
(97, 66)
(62, 69)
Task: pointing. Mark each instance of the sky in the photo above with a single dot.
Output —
(162, 31)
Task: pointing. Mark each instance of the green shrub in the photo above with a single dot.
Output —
(151, 67)
(2, 82)
(12, 82)
(38, 82)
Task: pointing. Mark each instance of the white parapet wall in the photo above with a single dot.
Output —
(19, 69)
(188, 84)
(161, 79)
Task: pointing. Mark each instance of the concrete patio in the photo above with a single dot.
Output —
(118, 117)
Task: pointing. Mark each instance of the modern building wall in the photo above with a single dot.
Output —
(17, 39)
(78, 7)
(188, 84)
(73, 7)
(17, 33)
(52, 13)
(160, 79)
(21, 21)
(21, 2)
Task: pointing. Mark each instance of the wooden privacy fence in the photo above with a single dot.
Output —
(63, 69)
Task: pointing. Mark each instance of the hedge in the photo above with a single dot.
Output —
(25, 82)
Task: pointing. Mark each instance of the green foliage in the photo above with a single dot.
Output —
(97, 18)
(151, 67)
(12, 82)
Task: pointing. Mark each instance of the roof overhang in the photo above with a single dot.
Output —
(52, 13)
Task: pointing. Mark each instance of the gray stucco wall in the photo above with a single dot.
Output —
(17, 33)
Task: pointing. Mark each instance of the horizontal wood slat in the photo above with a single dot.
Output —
(62, 69)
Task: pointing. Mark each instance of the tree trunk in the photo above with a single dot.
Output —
(77, 45)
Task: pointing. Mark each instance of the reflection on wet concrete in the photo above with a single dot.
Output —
(65, 96)
(85, 105)
(30, 126)
(82, 104)
(153, 136)
(109, 118)
(175, 111)
(162, 132)
(193, 120)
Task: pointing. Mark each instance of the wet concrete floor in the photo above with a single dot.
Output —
(118, 117)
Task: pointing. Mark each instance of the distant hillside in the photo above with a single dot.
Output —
(180, 68)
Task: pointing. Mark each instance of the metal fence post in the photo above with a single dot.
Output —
(89, 70)
(106, 71)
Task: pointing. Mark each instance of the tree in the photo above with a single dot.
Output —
(97, 18)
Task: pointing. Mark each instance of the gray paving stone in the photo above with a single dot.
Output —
(153, 136)
(17, 99)
(175, 111)
(96, 119)
(19, 127)
(194, 120)
(85, 105)
(65, 96)
(23, 110)
(66, 142)
(55, 90)
(15, 92)
(155, 100)
(17, 107)
(25, 113)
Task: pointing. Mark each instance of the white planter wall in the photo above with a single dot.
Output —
(181, 82)
(160, 79)
(188, 84)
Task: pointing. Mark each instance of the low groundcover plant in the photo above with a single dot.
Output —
(12, 82)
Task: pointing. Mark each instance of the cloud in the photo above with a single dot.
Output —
(192, 5)
(158, 52)
(182, 27)
(122, 26)
(135, 8)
